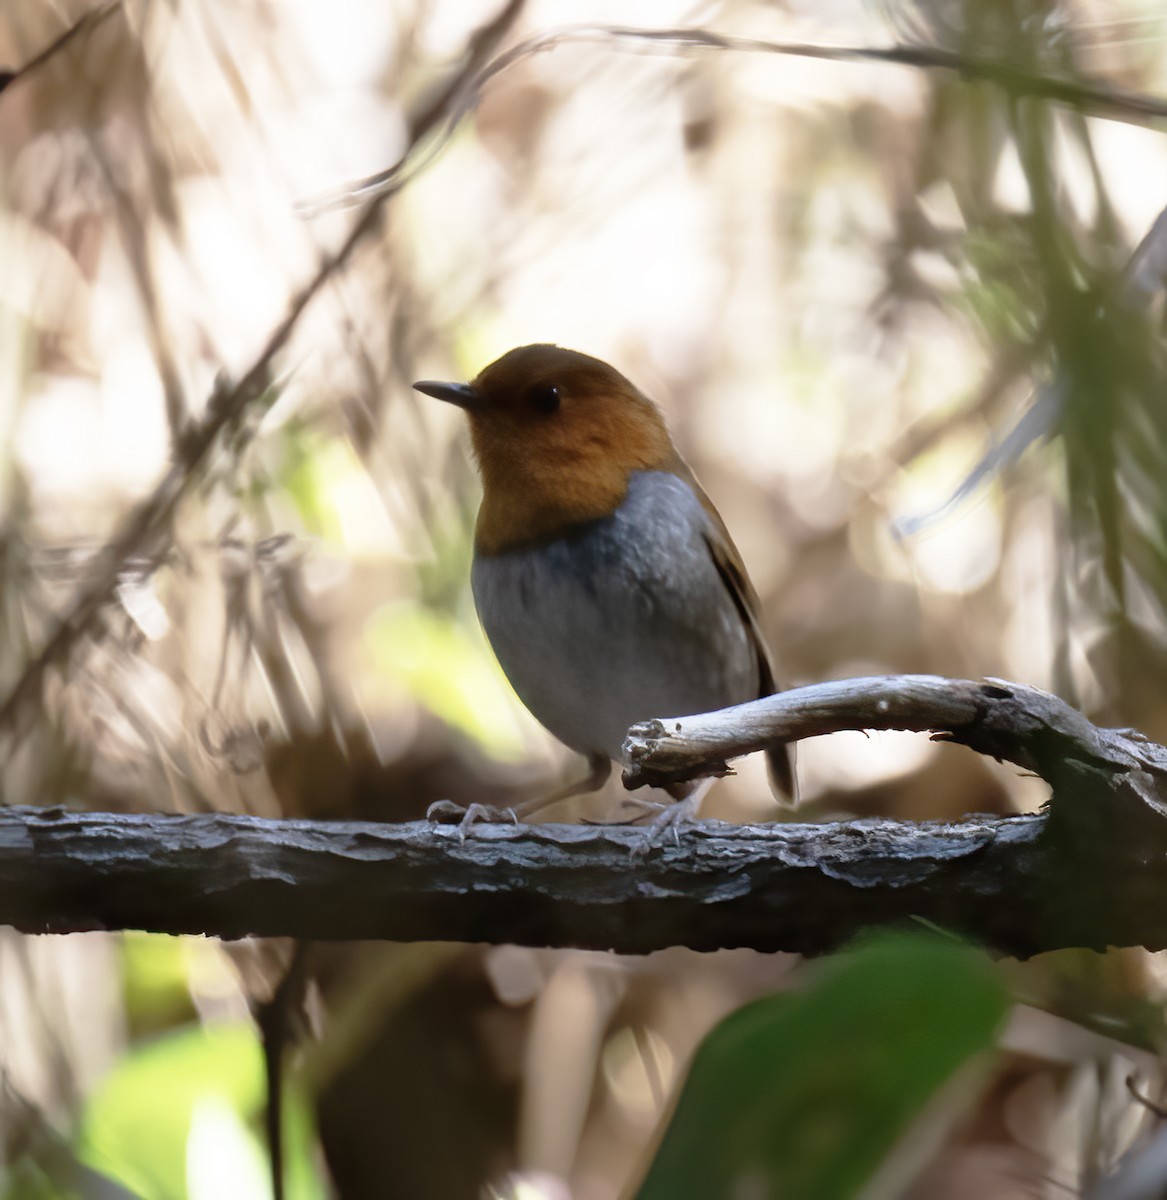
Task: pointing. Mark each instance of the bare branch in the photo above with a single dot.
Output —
(1007, 721)
(1089, 872)
(782, 887)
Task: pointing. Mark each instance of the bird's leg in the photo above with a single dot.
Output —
(633, 802)
(599, 768)
(674, 817)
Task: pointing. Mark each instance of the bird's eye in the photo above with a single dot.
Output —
(545, 398)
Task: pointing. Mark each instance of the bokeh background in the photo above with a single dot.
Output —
(844, 281)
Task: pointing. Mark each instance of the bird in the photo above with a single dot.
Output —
(604, 578)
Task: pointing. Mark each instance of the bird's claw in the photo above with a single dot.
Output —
(446, 812)
(670, 820)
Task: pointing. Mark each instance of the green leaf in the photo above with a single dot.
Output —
(802, 1096)
(181, 1114)
(440, 664)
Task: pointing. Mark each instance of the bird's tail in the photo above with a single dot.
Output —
(780, 763)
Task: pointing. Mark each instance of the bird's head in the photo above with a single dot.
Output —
(557, 435)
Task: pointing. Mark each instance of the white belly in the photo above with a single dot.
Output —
(625, 619)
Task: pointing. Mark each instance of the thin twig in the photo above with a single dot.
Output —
(1159, 1111)
(1114, 104)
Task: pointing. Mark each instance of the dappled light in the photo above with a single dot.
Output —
(903, 314)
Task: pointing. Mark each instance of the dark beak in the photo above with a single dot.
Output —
(461, 394)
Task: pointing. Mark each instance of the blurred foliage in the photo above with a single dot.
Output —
(179, 1119)
(846, 282)
(806, 1094)
(156, 982)
(433, 659)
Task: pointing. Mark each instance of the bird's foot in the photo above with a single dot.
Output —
(446, 812)
(669, 822)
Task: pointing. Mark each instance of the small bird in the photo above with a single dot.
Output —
(606, 581)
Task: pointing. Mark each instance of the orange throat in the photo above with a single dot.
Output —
(534, 505)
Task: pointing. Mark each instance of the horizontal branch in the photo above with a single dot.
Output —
(1091, 871)
(1094, 99)
(780, 887)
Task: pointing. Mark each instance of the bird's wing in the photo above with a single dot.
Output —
(731, 568)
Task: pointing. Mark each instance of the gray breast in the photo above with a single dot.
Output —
(624, 619)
